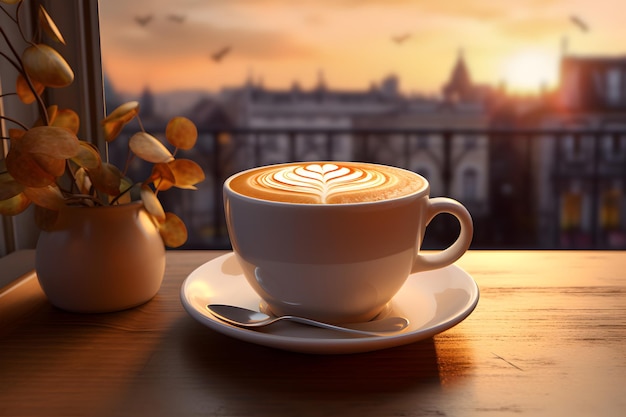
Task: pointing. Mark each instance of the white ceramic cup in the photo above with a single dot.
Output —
(340, 262)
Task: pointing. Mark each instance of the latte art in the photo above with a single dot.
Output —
(321, 181)
(326, 182)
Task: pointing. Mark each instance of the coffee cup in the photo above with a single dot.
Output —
(334, 241)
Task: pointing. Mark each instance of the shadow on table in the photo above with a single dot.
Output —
(213, 374)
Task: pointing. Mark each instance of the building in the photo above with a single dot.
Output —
(325, 123)
(586, 166)
(433, 136)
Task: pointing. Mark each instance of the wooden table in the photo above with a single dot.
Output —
(548, 338)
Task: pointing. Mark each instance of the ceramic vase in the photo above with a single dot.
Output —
(101, 259)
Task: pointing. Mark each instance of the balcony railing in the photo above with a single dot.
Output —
(533, 188)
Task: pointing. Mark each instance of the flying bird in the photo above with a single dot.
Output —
(579, 23)
(400, 39)
(220, 54)
(143, 20)
(178, 18)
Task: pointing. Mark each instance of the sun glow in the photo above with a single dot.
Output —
(530, 72)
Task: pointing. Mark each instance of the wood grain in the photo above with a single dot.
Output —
(547, 339)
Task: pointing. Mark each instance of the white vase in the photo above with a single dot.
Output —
(101, 259)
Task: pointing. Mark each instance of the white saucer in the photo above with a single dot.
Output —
(433, 301)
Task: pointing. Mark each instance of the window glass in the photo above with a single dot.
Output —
(614, 85)
(274, 80)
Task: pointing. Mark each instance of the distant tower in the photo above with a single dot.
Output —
(320, 88)
(111, 97)
(459, 86)
(321, 80)
(146, 102)
(390, 86)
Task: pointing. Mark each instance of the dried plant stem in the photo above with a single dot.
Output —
(19, 66)
(9, 14)
(12, 120)
(17, 22)
(129, 159)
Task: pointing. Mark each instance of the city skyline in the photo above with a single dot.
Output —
(209, 44)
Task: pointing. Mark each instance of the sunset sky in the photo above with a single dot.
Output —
(350, 41)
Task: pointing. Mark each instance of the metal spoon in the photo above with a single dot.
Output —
(243, 317)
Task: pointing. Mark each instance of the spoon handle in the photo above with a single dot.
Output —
(381, 327)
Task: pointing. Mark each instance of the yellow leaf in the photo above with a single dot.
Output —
(181, 132)
(14, 205)
(87, 156)
(173, 231)
(152, 203)
(187, 173)
(48, 25)
(45, 65)
(149, 148)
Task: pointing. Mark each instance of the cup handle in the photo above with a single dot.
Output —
(447, 256)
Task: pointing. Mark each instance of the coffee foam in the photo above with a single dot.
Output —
(326, 183)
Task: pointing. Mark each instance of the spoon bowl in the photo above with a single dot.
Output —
(246, 318)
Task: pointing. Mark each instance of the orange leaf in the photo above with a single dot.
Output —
(173, 231)
(16, 134)
(181, 132)
(112, 130)
(27, 170)
(106, 178)
(125, 112)
(68, 119)
(115, 121)
(48, 197)
(187, 173)
(53, 166)
(24, 92)
(53, 141)
(14, 205)
(162, 177)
